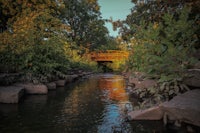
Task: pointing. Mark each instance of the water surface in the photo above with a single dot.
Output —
(94, 105)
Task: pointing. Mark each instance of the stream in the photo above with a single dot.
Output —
(96, 104)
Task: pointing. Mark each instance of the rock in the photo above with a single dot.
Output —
(51, 86)
(75, 76)
(80, 74)
(139, 75)
(70, 78)
(126, 74)
(129, 89)
(137, 84)
(153, 113)
(84, 73)
(11, 94)
(60, 83)
(184, 107)
(90, 73)
(193, 79)
(31, 88)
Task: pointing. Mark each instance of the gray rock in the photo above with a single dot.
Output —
(11, 94)
(31, 88)
(141, 84)
(60, 83)
(184, 107)
(193, 79)
(154, 113)
(70, 78)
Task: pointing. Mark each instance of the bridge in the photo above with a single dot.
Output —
(109, 56)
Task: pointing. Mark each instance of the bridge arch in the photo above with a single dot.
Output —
(105, 58)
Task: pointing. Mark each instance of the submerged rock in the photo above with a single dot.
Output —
(11, 94)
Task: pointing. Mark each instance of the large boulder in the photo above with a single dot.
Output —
(31, 88)
(184, 107)
(11, 94)
(193, 79)
(153, 113)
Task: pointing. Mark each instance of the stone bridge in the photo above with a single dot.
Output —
(109, 56)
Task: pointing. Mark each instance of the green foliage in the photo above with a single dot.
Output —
(163, 51)
(164, 48)
(47, 59)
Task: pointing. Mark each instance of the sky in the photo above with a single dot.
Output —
(117, 9)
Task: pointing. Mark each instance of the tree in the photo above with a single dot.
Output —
(87, 27)
(34, 40)
(10, 10)
(153, 11)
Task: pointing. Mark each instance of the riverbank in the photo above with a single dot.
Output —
(13, 92)
(182, 110)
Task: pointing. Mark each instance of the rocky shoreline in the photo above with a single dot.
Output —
(14, 92)
(180, 110)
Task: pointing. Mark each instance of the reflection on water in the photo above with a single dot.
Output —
(115, 98)
(94, 105)
(114, 87)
